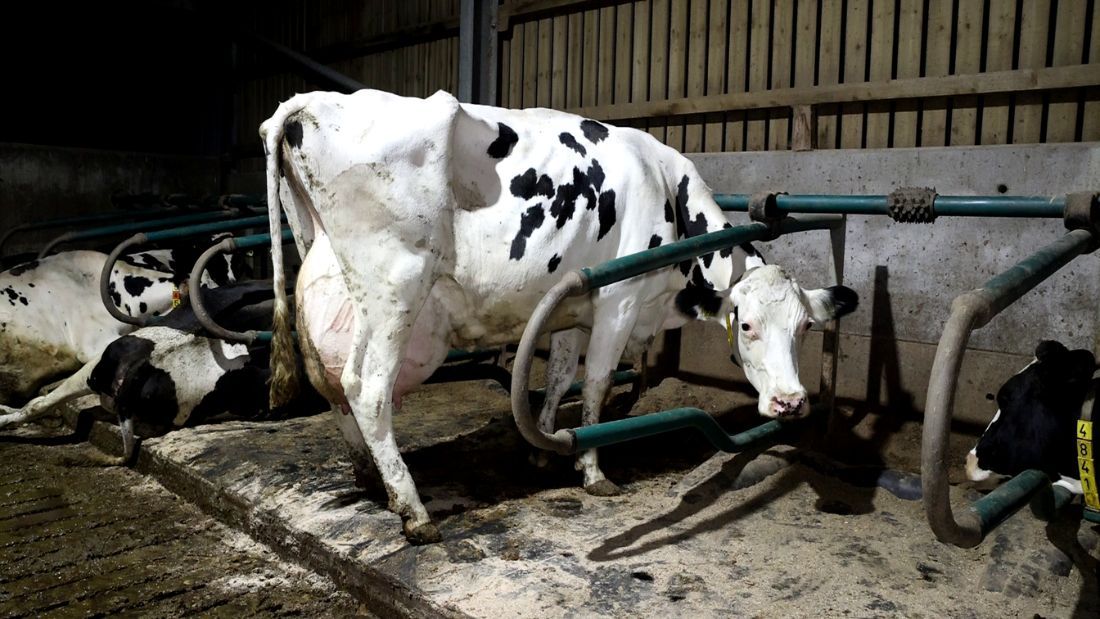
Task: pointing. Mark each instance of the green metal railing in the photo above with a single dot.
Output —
(632, 428)
(950, 206)
(138, 226)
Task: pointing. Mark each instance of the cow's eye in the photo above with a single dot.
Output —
(745, 326)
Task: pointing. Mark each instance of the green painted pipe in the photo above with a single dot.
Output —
(996, 507)
(631, 428)
(650, 259)
(456, 355)
(196, 229)
(138, 226)
(954, 206)
(256, 240)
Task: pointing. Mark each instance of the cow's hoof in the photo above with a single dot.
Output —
(604, 487)
(426, 533)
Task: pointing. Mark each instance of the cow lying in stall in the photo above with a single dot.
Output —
(167, 376)
(54, 321)
(449, 222)
(1036, 422)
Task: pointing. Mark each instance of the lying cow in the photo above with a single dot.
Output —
(449, 222)
(168, 376)
(53, 321)
(1036, 423)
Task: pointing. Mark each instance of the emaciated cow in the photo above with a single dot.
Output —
(54, 322)
(168, 376)
(1036, 423)
(449, 222)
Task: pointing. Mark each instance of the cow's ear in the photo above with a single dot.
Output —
(832, 302)
(1048, 350)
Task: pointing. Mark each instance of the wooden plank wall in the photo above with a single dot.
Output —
(629, 62)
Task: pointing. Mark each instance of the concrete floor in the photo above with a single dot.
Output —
(694, 534)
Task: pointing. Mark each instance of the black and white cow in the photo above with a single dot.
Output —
(448, 223)
(1036, 422)
(53, 321)
(169, 376)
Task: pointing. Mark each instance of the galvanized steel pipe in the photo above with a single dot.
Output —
(969, 311)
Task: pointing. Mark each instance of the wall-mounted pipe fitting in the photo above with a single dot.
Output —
(970, 311)
(1082, 212)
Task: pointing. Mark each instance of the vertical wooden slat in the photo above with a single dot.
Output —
(505, 72)
(591, 61)
(530, 63)
(557, 75)
(639, 79)
(606, 85)
(696, 71)
(739, 24)
(574, 68)
(882, 50)
(1002, 35)
(1028, 113)
(515, 79)
(1068, 48)
(782, 33)
(968, 55)
(934, 111)
(624, 30)
(828, 68)
(805, 48)
(910, 21)
(677, 57)
(658, 61)
(760, 42)
(1090, 131)
(716, 71)
(855, 64)
(546, 34)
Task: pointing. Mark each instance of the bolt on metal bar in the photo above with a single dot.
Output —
(970, 311)
(951, 206)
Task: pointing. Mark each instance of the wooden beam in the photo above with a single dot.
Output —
(1026, 80)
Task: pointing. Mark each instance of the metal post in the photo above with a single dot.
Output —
(477, 52)
(830, 337)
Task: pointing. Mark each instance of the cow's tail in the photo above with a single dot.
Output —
(285, 381)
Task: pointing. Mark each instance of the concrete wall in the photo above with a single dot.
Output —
(908, 274)
(45, 182)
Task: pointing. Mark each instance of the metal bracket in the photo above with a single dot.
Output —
(1082, 212)
(763, 209)
(912, 205)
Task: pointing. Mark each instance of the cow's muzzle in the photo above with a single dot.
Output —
(791, 406)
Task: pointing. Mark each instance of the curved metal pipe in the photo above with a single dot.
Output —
(563, 441)
(195, 292)
(969, 311)
(105, 281)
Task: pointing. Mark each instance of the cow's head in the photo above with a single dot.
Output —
(1039, 406)
(771, 314)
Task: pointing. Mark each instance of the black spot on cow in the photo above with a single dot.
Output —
(30, 284)
(607, 212)
(23, 268)
(565, 202)
(593, 130)
(693, 299)
(570, 141)
(596, 176)
(218, 270)
(293, 133)
(529, 184)
(136, 284)
(154, 263)
(502, 146)
(241, 391)
(700, 280)
(669, 217)
(554, 262)
(528, 223)
(687, 227)
(116, 298)
(142, 307)
(14, 295)
(23, 300)
(140, 391)
(845, 300)
(654, 241)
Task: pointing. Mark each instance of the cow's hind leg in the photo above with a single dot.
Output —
(610, 333)
(561, 368)
(73, 387)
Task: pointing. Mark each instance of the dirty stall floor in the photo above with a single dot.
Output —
(88, 541)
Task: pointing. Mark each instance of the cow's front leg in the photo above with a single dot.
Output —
(610, 333)
(561, 368)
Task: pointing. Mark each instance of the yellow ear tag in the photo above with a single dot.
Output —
(176, 300)
(729, 331)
